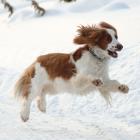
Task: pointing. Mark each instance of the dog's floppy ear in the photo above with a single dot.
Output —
(83, 33)
(87, 35)
(80, 40)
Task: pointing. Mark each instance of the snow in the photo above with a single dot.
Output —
(24, 36)
(117, 6)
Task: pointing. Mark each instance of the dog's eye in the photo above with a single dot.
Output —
(109, 38)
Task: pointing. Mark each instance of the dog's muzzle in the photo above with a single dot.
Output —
(113, 51)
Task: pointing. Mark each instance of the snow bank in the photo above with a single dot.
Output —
(116, 6)
(87, 6)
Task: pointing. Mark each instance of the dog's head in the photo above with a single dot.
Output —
(101, 38)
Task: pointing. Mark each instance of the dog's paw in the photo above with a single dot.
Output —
(97, 82)
(24, 114)
(123, 88)
(24, 117)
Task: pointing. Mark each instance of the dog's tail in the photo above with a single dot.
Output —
(21, 88)
(23, 85)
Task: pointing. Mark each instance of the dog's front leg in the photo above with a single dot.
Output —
(112, 86)
(115, 86)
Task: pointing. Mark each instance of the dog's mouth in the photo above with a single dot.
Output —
(113, 51)
(114, 54)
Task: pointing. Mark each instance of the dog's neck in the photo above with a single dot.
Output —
(95, 53)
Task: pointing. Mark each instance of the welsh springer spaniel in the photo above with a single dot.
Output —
(80, 72)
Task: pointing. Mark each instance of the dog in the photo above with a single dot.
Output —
(80, 72)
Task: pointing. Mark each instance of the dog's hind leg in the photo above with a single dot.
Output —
(26, 103)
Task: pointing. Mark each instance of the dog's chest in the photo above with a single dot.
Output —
(90, 65)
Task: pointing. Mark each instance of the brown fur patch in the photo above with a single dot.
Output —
(103, 40)
(80, 40)
(78, 53)
(57, 65)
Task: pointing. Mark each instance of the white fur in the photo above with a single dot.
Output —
(114, 41)
(89, 65)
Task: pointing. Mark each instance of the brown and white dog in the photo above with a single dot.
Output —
(80, 72)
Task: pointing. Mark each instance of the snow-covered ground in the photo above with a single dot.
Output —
(24, 36)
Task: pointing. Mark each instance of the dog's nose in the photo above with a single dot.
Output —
(119, 47)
